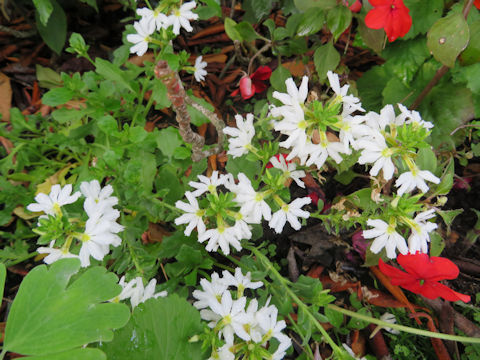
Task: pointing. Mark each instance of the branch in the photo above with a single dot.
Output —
(178, 98)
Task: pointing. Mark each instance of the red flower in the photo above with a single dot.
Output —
(422, 276)
(354, 5)
(269, 165)
(477, 4)
(249, 85)
(392, 15)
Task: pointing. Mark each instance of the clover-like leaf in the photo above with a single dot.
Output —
(51, 315)
(159, 329)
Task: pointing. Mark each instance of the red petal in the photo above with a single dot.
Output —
(377, 18)
(433, 290)
(376, 3)
(259, 86)
(428, 268)
(235, 93)
(246, 88)
(397, 276)
(477, 4)
(262, 73)
(356, 6)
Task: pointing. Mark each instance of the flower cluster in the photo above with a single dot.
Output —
(244, 328)
(229, 214)
(155, 20)
(95, 235)
(136, 292)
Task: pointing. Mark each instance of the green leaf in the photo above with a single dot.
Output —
(77, 354)
(159, 329)
(338, 20)
(312, 21)
(242, 165)
(325, 58)
(92, 3)
(64, 115)
(231, 30)
(3, 275)
(448, 216)
(470, 75)
(255, 10)
(149, 169)
(246, 31)
(447, 38)
(428, 15)
(446, 182)
(334, 317)
(44, 9)
(49, 315)
(112, 72)
(54, 32)
(277, 80)
(77, 44)
(306, 5)
(168, 140)
(47, 78)
(108, 124)
(437, 244)
(471, 54)
(57, 96)
(371, 37)
(426, 160)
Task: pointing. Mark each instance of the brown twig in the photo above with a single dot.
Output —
(443, 70)
(178, 98)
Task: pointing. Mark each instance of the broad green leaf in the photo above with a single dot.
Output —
(149, 169)
(471, 54)
(447, 38)
(3, 275)
(50, 314)
(54, 32)
(57, 96)
(241, 164)
(428, 15)
(277, 80)
(370, 87)
(112, 72)
(446, 181)
(448, 216)
(64, 115)
(246, 31)
(437, 244)
(371, 37)
(338, 20)
(334, 317)
(159, 329)
(47, 78)
(255, 10)
(325, 58)
(312, 21)
(108, 124)
(77, 354)
(211, 9)
(167, 140)
(426, 160)
(470, 75)
(231, 29)
(306, 5)
(44, 9)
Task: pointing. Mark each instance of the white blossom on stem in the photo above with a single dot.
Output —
(290, 212)
(142, 38)
(181, 18)
(50, 204)
(240, 137)
(376, 151)
(193, 216)
(200, 71)
(385, 236)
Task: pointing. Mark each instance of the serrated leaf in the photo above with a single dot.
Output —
(471, 54)
(49, 315)
(112, 72)
(338, 20)
(326, 58)
(428, 15)
(54, 32)
(57, 96)
(334, 317)
(159, 329)
(44, 9)
(108, 124)
(312, 21)
(167, 140)
(447, 38)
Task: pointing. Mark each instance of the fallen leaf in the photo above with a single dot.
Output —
(5, 97)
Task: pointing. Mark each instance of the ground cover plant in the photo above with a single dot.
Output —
(248, 179)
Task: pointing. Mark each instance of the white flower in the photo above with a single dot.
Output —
(375, 150)
(411, 117)
(253, 205)
(193, 216)
(410, 180)
(221, 237)
(98, 235)
(289, 169)
(320, 152)
(285, 343)
(379, 122)
(241, 136)
(350, 102)
(294, 96)
(421, 227)
(50, 204)
(290, 212)
(267, 320)
(200, 71)
(352, 129)
(181, 17)
(54, 254)
(141, 294)
(97, 198)
(223, 353)
(156, 17)
(207, 184)
(127, 289)
(240, 281)
(385, 236)
(351, 353)
(144, 29)
(212, 292)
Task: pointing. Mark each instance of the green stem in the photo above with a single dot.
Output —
(274, 274)
(225, 267)
(407, 329)
(2, 354)
(299, 331)
(167, 205)
(19, 260)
